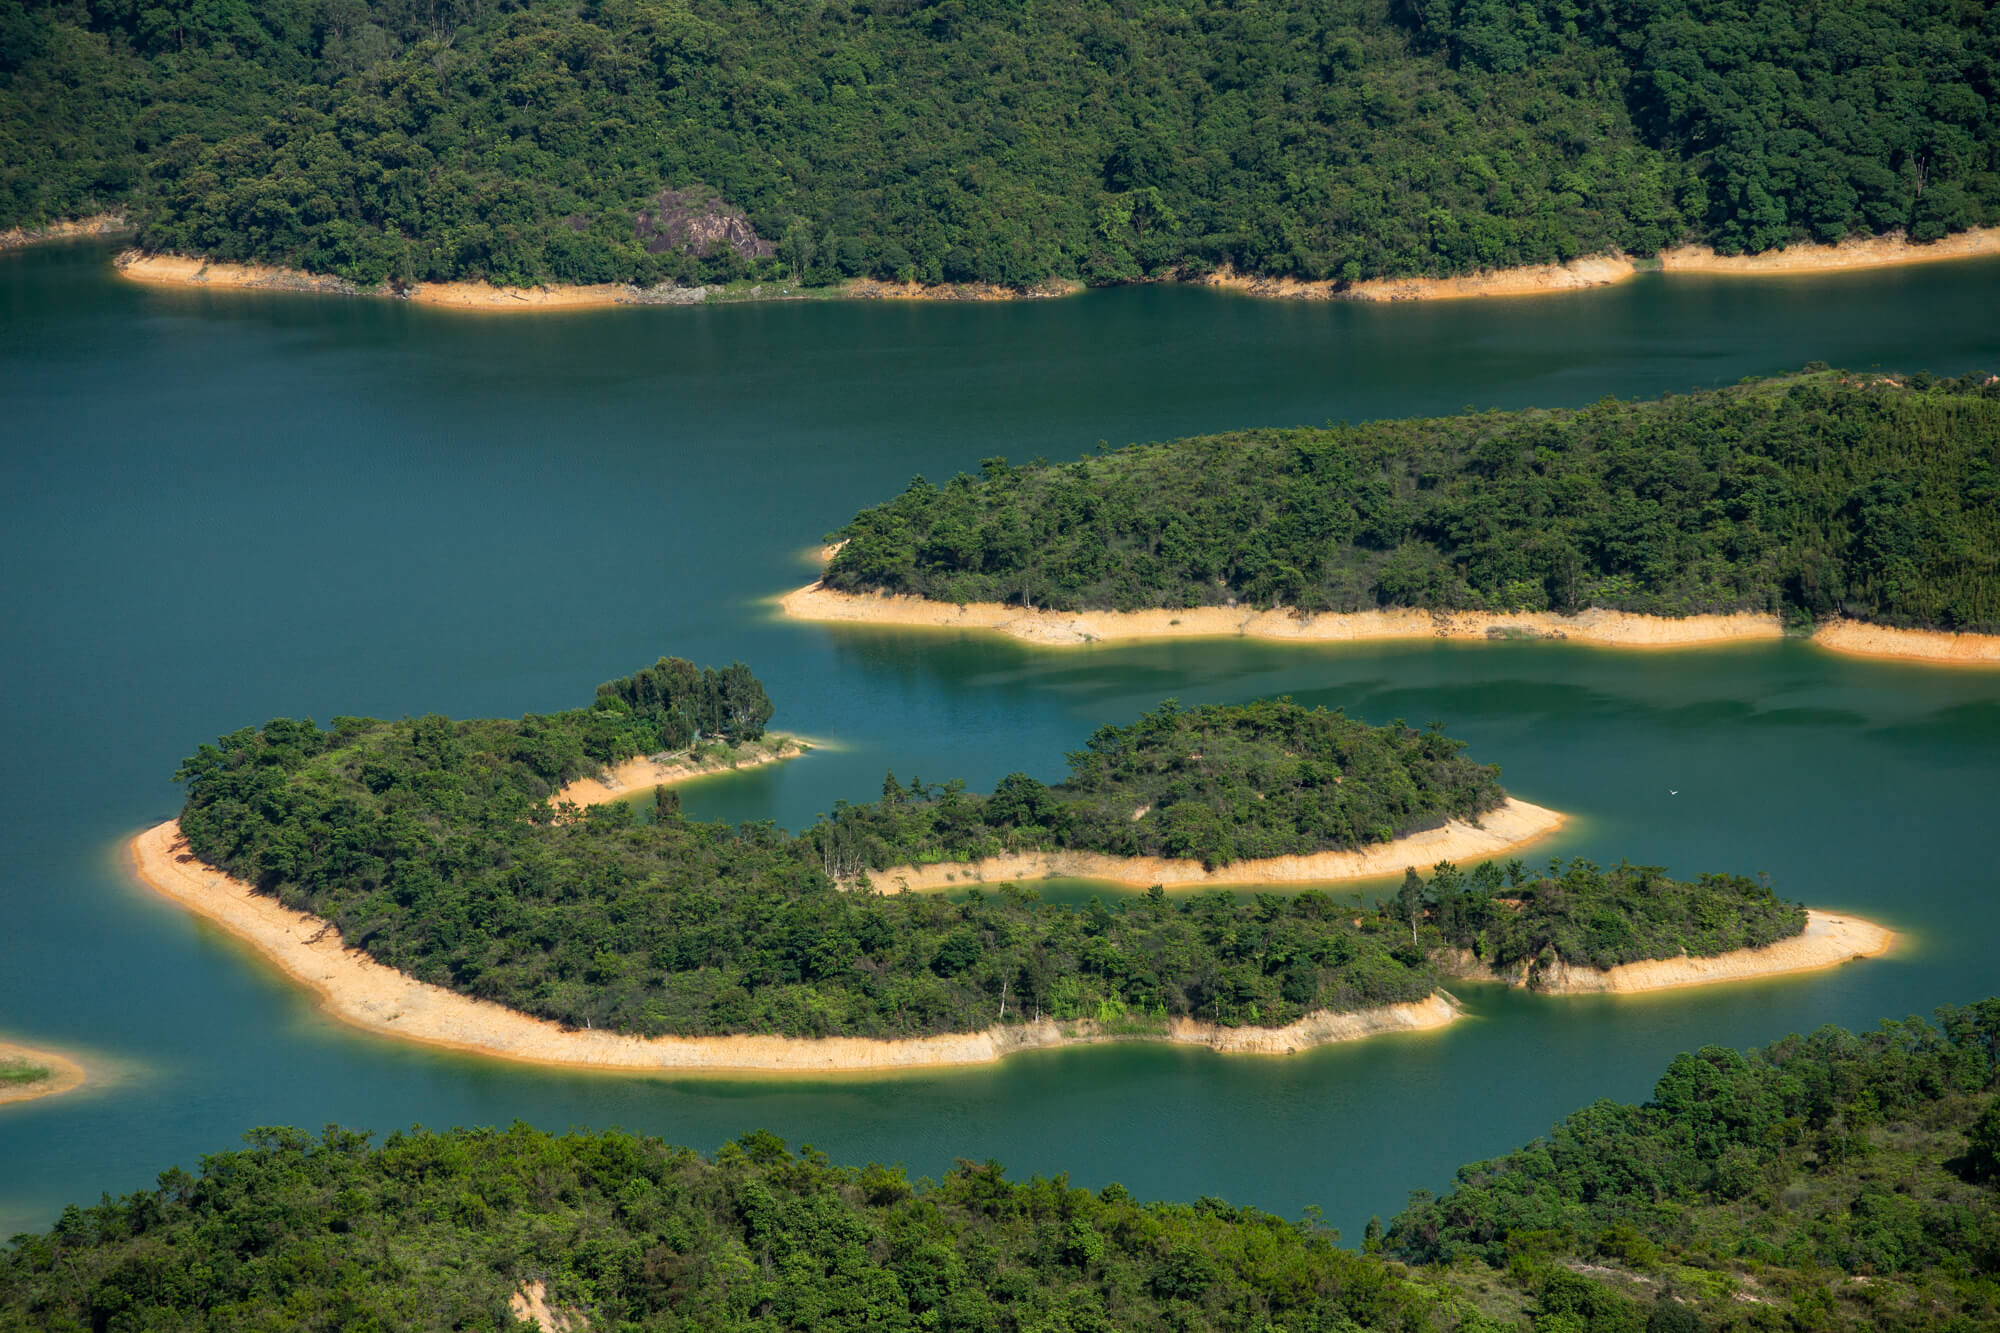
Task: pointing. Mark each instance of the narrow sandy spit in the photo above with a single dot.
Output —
(65, 1074)
(358, 990)
(644, 773)
(1514, 825)
(1827, 941)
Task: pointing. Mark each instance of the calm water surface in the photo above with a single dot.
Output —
(224, 507)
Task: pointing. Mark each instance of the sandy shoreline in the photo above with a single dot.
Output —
(358, 990)
(65, 1074)
(1514, 825)
(643, 773)
(1596, 626)
(1858, 639)
(1532, 280)
(193, 271)
(1828, 940)
(1610, 628)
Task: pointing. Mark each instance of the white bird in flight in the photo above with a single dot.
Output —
(1672, 792)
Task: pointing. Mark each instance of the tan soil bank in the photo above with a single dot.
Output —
(189, 271)
(76, 229)
(1534, 280)
(644, 773)
(1514, 825)
(1602, 628)
(1603, 270)
(358, 990)
(1861, 252)
(1827, 941)
(1611, 628)
(1920, 645)
(65, 1074)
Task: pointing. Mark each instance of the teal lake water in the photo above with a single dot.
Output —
(222, 507)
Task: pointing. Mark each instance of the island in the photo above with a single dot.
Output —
(1863, 508)
(437, 880)
(1751, 1182)
(28, 1073)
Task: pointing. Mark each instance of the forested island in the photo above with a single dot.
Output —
(1806, 500)
(475, 900)
(620, 142)
(1838, 1182)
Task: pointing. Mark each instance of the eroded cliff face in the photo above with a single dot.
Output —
(694, 219)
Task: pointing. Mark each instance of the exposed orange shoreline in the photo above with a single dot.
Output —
(1828, 940)
(65, 1074)
(1596, 626)
(1592, 271)
(356, 989)
(644, 772)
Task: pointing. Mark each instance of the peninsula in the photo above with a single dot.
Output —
(1856, 507)
(442, 881)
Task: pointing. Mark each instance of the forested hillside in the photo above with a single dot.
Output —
(1810, 497)
(433, 845)
(1834, 1182)
(642, 140)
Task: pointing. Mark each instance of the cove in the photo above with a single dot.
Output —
(231, 506)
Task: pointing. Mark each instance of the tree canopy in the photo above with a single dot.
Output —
(1837, 1182)
(643, 141)
(1818, 495)
(434, 845)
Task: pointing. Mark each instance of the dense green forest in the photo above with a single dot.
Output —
(433, 845)
(642, 140)
(1833, 1182)
(1837, 1181)
(1812, 496)
(1216, 784)
(1586, 916)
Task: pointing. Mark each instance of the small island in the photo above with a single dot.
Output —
(1846, 505)
(27, 1073)
(439, 880)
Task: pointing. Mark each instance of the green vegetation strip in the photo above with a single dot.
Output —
(1809, 497)
(18, 1072)
(1836, 1182)
(422, 140)
(432, 845)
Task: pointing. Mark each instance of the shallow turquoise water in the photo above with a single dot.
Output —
(223, 507)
